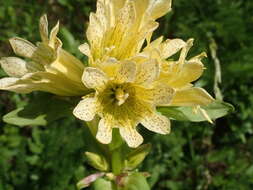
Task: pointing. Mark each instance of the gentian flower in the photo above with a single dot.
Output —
(49, 68)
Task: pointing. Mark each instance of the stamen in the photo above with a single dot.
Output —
(121, 96)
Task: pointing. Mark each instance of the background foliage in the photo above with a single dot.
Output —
(194, 156)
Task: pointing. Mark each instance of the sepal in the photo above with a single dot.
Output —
(135, 157)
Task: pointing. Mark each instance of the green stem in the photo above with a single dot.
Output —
(114, 186)
(117, 161)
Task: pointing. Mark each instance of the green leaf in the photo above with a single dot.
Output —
(102, 184)
(215, 110)
(98, 161)
(137, 156)
(68, 39)
(17, 117)
(136, 181)
(41, 110)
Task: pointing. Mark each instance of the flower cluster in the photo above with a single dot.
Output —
(130, 80)
(128, 75)
(49, 68)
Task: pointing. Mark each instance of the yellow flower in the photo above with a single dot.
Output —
(50, 68)
(118, 30)
(125, 98)
(130, 82)
(181, 73)
(119, 27)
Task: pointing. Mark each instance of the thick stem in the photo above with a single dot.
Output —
(117, 161)
(114, 186)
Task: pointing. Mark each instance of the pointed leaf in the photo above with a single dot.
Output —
(214, 110)
(137, 156)
(41, 110)
(98, 161)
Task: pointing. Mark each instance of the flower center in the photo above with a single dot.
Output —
(121, 96)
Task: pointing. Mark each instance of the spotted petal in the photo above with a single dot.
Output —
(163, 94)
(86, 108)
(131, 136)
(170, 47)
(189, 72)
(6, 82)
(156, 123)
(147, 72)
(22, 47)
(85, 49)
(127, 72)
(104, 133)
(13, 66)
(94, 78)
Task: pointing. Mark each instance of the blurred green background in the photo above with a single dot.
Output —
(195, 156)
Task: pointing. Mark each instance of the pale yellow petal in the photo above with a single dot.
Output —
(85, 49)
(146, 33)
(104, 133)
(6, 82)
(191, 97)
(109, 66)
(147, 72)
(117, 4)
(43, 81)
(122, 34)
(154, 44)
(44, 28)
(198, 58)
(189, 72)
(123, 24)
(94, 78)
(163, 94)
(56, 83)
(17, 85)
(170, 47)
(140, 7)
(185, 51)
(53, 41)
(13, 66)
(126, 72)
(156, 122)
(95, 35)
(68, 65)
(131, 136)
(86, 109)
(102, 14)
(158, 8)
(126, 17)
(22, 47)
